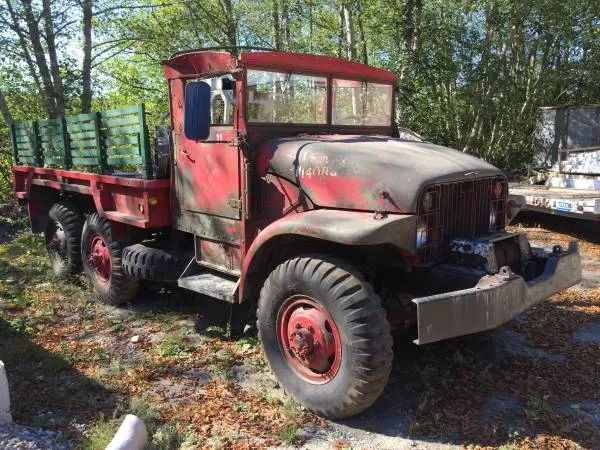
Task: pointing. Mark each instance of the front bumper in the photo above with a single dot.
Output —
(495, 299)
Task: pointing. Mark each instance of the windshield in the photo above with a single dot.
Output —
(275, 97)
(279, 97)
(361, 103)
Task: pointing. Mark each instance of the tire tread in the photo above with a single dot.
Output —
(368, 327)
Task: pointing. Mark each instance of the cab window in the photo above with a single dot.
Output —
(277, 97)
(361, 103)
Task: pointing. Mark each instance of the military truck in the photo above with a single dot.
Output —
(280, 181)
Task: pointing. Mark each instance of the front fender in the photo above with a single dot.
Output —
(351, 228)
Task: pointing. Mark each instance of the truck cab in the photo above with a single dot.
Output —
(289, 189)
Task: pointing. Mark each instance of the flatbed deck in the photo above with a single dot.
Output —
(133, 201)
(579, 203)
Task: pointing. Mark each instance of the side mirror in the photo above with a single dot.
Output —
(196, 120)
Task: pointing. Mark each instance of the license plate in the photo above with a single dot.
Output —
(564, 206)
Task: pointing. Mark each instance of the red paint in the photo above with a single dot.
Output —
(342, 192)
(120, 199)
(211, 192)
(303, 63)
(194, 63)
(99, 259)
(309, 339)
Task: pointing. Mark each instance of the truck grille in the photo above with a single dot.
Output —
(460, 209)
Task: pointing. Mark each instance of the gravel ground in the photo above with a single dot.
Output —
(13, 436)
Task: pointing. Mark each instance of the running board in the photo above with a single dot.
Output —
(211, 284)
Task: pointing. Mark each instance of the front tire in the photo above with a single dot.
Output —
(325, 335)
(63, 239)
(101, 256)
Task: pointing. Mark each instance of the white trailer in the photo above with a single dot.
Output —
(568, 159)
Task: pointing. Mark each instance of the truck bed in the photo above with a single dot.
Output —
(579, 203)
(133, 201)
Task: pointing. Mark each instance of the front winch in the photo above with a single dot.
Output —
(491, 253)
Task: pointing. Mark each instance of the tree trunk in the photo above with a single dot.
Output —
(86, 69)
(363, 41)
(24, 48)
(40, 59)
(310, 26)
(276, 25)
(59, 95)
(285, 17)
(231, 22)
(407, 37)
(6, 115)
(341, 33)
(349, 31)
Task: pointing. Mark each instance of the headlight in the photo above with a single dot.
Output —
(493, 217)
(421, 234)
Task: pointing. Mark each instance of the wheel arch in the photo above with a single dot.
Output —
(351, 235)
(41, 200)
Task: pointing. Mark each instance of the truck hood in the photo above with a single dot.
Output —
(371, 173)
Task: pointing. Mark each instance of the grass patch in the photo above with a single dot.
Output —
(168, 437)
(289, 435)
(114, 368)
(79, 361)
(146, 411)
(172, 345)
(101, 434)
(292, 411)
(221, 373)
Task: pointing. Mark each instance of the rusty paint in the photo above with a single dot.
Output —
(219, 255)
(116, 198)
(207, 173)
(495, 299)
(351, 171)
(344, 227)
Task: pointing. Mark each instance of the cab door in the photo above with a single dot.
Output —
(207, 173)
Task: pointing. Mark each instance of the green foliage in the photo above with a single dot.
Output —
(147, 412)
(472, 74)
(167, 437)
(289, 435)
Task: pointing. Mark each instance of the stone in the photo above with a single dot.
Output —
(5, 416)
(131, 435)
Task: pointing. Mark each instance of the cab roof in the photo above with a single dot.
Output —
(201, 63)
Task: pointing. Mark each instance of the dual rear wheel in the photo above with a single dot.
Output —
(74, 242)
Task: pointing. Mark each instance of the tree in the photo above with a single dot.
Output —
(472, 74)
(4, 110)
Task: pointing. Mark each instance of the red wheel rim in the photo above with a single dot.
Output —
(99, 258)
(309, 339)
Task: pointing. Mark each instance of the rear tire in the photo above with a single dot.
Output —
(101, 256)
(325, 335)
(63, 239)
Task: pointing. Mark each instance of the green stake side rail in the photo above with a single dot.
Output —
(99, 142)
